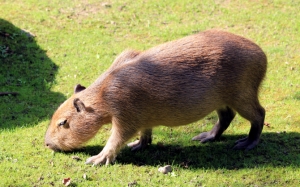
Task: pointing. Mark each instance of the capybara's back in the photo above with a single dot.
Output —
(184, 80)
(172, 84)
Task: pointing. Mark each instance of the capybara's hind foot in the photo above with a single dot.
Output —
(245, 143)
(204, 137)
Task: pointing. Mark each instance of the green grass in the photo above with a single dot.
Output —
(75, 41)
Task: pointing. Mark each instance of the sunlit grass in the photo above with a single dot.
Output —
(75, 41)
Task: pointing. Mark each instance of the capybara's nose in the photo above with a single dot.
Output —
(51, 145)
(48, 144)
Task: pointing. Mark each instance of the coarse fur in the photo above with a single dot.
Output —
(172, 84)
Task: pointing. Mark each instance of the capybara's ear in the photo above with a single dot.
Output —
(79, 105)
(78, 88)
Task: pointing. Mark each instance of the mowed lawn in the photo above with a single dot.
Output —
(47, 47)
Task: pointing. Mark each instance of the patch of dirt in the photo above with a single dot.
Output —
(86, 9)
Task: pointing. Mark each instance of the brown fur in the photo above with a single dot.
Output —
(172, 84)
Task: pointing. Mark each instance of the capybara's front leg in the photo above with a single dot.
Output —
(144, 141)
(225, 115)
(115, 142)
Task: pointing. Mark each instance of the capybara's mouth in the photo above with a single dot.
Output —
(63, 148)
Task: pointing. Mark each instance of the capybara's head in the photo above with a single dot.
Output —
(73, 123)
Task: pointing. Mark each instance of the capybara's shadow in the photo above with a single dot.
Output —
(275, 149)
(26, 70)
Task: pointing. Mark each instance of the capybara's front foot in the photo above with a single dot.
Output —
(102, 158)
(144, 141)
(245, 143)
(139, 144)
(205, 137)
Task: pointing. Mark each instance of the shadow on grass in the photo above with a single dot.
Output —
(25, 69)
(275, 149)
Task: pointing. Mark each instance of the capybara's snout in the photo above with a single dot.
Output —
(49, 143)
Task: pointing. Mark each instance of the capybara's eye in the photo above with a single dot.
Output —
(62, 123)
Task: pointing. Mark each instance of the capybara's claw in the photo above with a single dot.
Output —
(89, 161)
(100, 159)
(95, 161)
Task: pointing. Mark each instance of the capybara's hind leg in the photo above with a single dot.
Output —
(145, 140)
(256, 115)
(225, 115)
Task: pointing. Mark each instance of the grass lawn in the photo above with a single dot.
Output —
(47, 47)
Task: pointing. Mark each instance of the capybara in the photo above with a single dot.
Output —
(172, 84)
